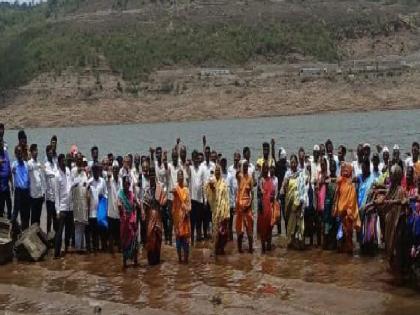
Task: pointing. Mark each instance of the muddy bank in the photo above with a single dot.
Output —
(282, 282)
(187, 94)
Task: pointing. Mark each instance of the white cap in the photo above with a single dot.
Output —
(115, 164)
(385, 149)
(316, 147)
(283, 154)
(396, 147)
(366, 145)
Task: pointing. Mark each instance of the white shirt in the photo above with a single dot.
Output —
(172, 174)
(113, 187)
(197, 183)
(233, 186)
(50, 172)
(62, 190)
(78, 201)
(184, 167)
(208, 168)
(145, 186)
(36, 179)
(357, 168)
(135, 176)
(123, 172)
(161, 175)
(315, 169)
(96, 188)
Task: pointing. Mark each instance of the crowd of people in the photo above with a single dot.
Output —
(123, 202)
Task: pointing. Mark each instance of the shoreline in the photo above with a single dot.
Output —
(102, 122)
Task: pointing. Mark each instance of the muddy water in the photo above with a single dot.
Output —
(282, 282)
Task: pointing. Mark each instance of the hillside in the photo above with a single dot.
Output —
(63, 62)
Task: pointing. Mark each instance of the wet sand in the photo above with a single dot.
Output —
(282, 282)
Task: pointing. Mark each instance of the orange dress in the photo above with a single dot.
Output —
(244, 217)
(346, 205)
(180, 212)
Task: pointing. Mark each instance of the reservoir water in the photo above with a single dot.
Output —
(226, 136)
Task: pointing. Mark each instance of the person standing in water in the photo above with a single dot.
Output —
(62, 206)
(127, 206)
(22, 199)
(218, 197)
(154, 198)
(37, 187)
(79, 201)
(244, 216)
(265, 216)
(296, 199)
(181, 209)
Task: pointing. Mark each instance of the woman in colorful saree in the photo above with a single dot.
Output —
(181, 209)
(128, 206)
(294, 190)
(368, 236)
(321, 194)
(394, 205)
(218, 198)
(346, 209)
(153, 198)
(267, 217)
(329, 221)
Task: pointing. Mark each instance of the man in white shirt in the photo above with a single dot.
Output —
(315, 164)
(160, 167)
(50, 170)
(341, 155)
(96, 189)
(196, 175)
(413, 160)
(208, 167)
(62, 205)
(172, 171)
(183, 161)
(384, 165)
(246, 154)
(233, 189)
(79, 202)
(37, 185)
(113, 212)
(136, 172)
(94, 152)
(144, 186)
(357, 165)
(329, 147)
(126, 171)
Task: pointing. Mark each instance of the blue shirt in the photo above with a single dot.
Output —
(4, 171)
(20, 174)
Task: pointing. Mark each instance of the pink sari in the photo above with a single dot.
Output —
(322, 193)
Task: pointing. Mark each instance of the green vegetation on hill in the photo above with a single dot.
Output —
(32, 41)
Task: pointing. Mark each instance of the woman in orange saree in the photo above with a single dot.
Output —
(244, 217)
(346, 208)
(181, 217)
